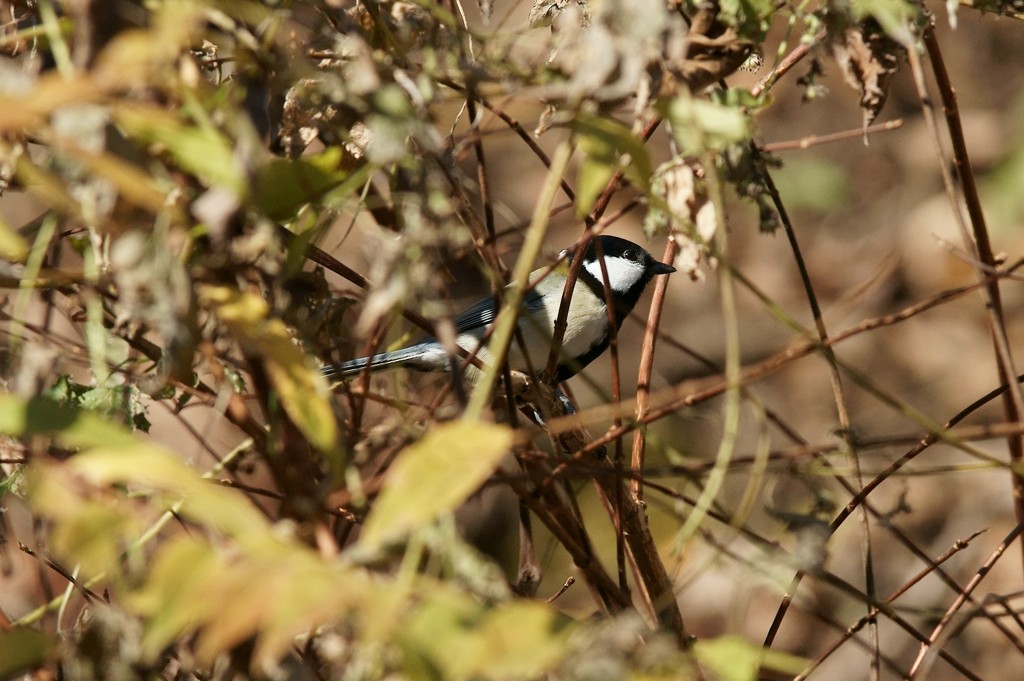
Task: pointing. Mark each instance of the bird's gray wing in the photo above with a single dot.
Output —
(480, 314)
(475, 316)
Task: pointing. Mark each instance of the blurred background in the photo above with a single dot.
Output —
(878, 234)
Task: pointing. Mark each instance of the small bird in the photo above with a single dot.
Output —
(629, 268)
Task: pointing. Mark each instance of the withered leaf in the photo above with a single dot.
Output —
(868, 59)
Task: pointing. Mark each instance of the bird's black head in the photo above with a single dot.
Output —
(630, 267)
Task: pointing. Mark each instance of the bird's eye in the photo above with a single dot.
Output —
(631, 254)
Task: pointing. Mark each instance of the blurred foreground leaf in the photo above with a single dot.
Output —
(519, 640)
(609, 146)
(300, 387)
(23, 649)
(895, 16)
(277, 586)
(700, 125)
(72, 428)
(122, 402)
(732, 658)
(435, 476)
(277, 589)
(282, 186)
(201, 150)
(814, 183)
(12, 245)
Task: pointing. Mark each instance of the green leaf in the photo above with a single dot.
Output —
(434, 476)
(73, 428)
(518, 640)
(201, 150)
(12, 245)
(300, 387)
(732, 658)
(282, 186)
(609, 146)
(699, 125)
(123, 402)
(894, 16)
(750, 16)
(23, 649)
(170, 597)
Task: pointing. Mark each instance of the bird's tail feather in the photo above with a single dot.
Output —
(410, 357)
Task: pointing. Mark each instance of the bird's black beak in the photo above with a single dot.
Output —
(661, 268)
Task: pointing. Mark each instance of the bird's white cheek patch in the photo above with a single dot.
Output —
(622, 274)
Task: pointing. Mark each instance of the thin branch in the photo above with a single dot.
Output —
(937, 633)
(643, 388)
(814, 140)
(791, 60)
(842, 412)
(1013, 400)
(873, 611)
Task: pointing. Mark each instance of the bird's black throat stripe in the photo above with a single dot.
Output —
(571, 366)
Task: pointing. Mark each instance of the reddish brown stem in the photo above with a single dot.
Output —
(643, 387)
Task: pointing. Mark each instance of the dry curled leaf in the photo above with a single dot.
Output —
(688, 213)
(868, 59)
(546, 12)
(714, 51)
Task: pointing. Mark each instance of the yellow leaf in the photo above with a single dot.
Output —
(51, 91)
(434, 476)
(169, 598)
(300, 387)
(23, 649)
(73, 428)
(201, 150)
(282, 185)
(112, 455)
(518, 640)
(220, 508)
(732, 658)
(12, 245)
(133, 183)
(521, 639)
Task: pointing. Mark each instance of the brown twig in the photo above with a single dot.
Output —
(1013, 400)
(814, 140)
(670, 400)
(930, 643)
(788, 62)
(613, 346)
(842, 412)
(565, 587)
(643, 387)
(873, 611)
(87, 593)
